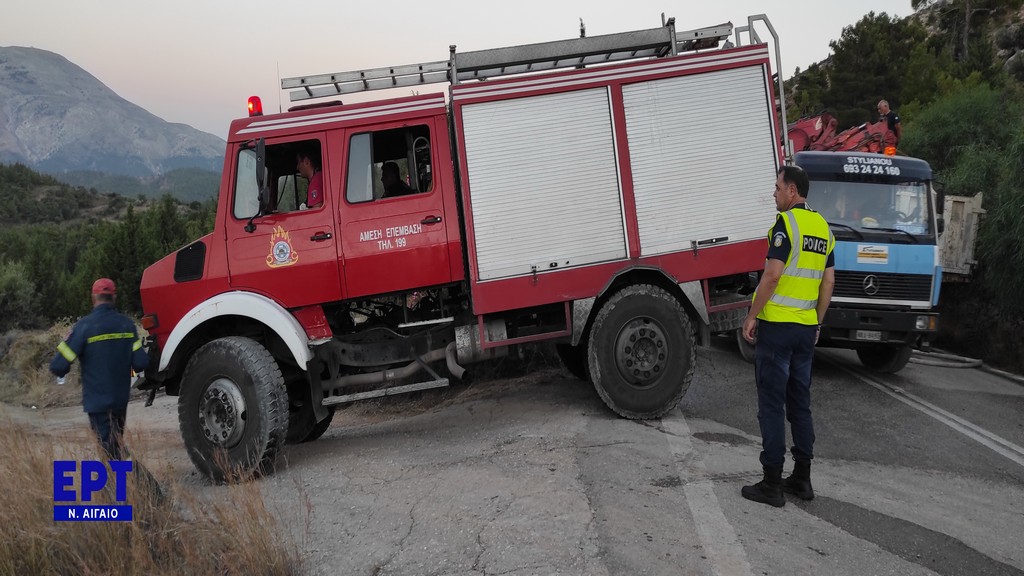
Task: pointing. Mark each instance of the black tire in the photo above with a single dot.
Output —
(746, 348)
(233, 409)
(885, 358)
(302, 424)
(574, 358)
(641, 352)
(320, 427)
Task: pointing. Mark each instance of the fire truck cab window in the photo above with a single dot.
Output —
(289, 170)
(389, 164)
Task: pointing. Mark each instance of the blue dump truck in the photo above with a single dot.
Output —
(886, 218)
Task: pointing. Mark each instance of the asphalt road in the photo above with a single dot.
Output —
(916, 473)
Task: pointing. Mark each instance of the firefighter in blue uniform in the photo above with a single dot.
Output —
(109, 349)
(783, 322)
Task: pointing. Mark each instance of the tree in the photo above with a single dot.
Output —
(18, 301)
(973, 137)
(164, 225)
(959, 19)
(964, 135)
(871, 60)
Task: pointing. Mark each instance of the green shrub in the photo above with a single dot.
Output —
(18, 304)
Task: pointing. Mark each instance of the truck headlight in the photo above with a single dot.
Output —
(927, 323)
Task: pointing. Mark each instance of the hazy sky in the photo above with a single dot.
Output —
(197, 61)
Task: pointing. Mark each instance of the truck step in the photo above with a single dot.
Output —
(427, 322)
(390, 391)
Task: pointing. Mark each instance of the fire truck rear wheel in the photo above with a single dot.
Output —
(233, 409)
(884, 358)
(641, 352)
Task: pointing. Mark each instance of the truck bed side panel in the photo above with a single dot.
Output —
(571, 178)
(686, 135)
(544, 180)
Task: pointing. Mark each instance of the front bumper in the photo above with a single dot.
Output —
(858, 327)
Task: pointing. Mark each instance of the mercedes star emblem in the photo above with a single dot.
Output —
(870, 284)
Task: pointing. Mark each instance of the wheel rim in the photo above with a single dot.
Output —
(222, 413)
(641, 352)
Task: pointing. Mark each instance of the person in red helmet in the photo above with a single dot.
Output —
(109, 349)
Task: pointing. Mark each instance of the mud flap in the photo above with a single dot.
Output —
(316, 393)
(694, 292)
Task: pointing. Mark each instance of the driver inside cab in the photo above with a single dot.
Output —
(307, 162)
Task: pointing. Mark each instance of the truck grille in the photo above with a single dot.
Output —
(916, 287)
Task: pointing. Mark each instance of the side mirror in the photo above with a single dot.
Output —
(940, 206)
(940, 196)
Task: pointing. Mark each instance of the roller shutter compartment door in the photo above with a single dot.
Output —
(543, 183)
(703, 158)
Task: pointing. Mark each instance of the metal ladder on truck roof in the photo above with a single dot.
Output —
(527, 58)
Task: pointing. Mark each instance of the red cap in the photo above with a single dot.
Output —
(104, 286)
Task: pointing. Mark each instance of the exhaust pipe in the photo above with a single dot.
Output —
(453, 365)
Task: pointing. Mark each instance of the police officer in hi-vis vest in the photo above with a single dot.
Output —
(783, 323)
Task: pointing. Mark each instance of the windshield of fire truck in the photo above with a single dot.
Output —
(867, 207)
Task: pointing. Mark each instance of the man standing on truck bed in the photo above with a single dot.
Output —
(891, 118)
(785, 316)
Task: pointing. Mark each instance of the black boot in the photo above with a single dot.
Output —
(799, 482)
(768, 490)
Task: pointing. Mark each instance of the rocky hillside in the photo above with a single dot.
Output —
(57, 118)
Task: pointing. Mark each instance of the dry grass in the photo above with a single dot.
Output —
(25, 377)
(223, 530)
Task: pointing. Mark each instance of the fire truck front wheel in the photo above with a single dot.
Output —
(233, 409)
(302, 424)
(641, 352)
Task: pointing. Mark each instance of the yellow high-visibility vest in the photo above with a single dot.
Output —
(796, 297)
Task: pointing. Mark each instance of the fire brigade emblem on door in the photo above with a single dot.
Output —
(281, 252)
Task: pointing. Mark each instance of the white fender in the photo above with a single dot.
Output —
(246, 304)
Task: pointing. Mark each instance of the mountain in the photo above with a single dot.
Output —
(185, 184)
(57, 118)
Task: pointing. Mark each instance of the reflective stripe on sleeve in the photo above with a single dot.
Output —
(66, 352)
(137, 345)
(111, 336)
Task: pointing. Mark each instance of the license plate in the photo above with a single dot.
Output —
(873, 335)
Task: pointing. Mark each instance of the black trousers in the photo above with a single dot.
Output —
(782, 366)
(109, 429)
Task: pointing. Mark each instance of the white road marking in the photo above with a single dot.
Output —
(717, 537)
(988, 439)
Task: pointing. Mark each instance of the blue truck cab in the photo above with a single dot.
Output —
(882, 211)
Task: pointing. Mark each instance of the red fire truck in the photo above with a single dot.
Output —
(607, 193)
